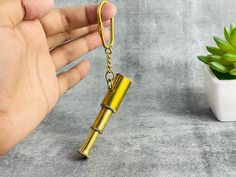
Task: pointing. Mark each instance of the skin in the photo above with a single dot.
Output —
(37, 40)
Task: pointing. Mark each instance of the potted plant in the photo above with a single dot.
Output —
(220, 76)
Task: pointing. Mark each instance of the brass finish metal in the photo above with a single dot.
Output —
(117, 87)
(115, 95)
(108, 47)
(110, 105)
(102, 120)
(89, 143)
(101, 27)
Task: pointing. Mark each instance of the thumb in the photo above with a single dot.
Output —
(36, 8)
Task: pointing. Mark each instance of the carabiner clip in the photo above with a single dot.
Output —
(101, 27)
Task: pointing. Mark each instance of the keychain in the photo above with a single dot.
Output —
(117, 87)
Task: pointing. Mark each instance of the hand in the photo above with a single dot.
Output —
(37, 40)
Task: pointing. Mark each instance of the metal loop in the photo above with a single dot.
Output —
(109, 84)
(108, 51)
(101, 26)
(109, 76)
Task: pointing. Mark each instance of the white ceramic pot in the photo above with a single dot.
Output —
(221, 96)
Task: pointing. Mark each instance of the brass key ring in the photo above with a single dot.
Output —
(101, 26)
(108, 48)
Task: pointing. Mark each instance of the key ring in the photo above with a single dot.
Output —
(101, 26)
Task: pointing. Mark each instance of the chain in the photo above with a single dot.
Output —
(108, 48)
(109, 74)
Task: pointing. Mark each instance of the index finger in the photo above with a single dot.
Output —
(64, 20)
(12, 12)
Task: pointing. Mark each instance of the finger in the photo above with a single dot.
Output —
(69, 52)
(63, 20)
(58, 39)
(12, 12)
(72, 77)
(36, 8)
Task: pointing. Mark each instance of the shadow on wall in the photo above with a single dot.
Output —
(187, 101)
(176, 93)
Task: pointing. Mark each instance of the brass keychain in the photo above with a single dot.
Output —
(117, 87)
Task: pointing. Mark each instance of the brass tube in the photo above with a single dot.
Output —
(88, 144)
(110, 105)
(96, 129)
(102, 120)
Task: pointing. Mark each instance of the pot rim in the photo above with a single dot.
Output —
(213, 77)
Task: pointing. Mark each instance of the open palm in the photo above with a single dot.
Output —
(37, 40)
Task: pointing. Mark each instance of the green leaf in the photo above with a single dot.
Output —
(203, 59)
(232, 26)
(233, 37)
(215, 51)
(215, 58)
(234, 64)
(219, 67)
(225, 46)
(229, 57)
(222, 76)
(233, 72)
(227, 34)
(218, 59)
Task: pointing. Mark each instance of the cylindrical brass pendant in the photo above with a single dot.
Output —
(110, 105)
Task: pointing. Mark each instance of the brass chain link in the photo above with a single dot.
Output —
(109, 76)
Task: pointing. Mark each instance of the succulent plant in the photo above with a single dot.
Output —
(222, 59)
